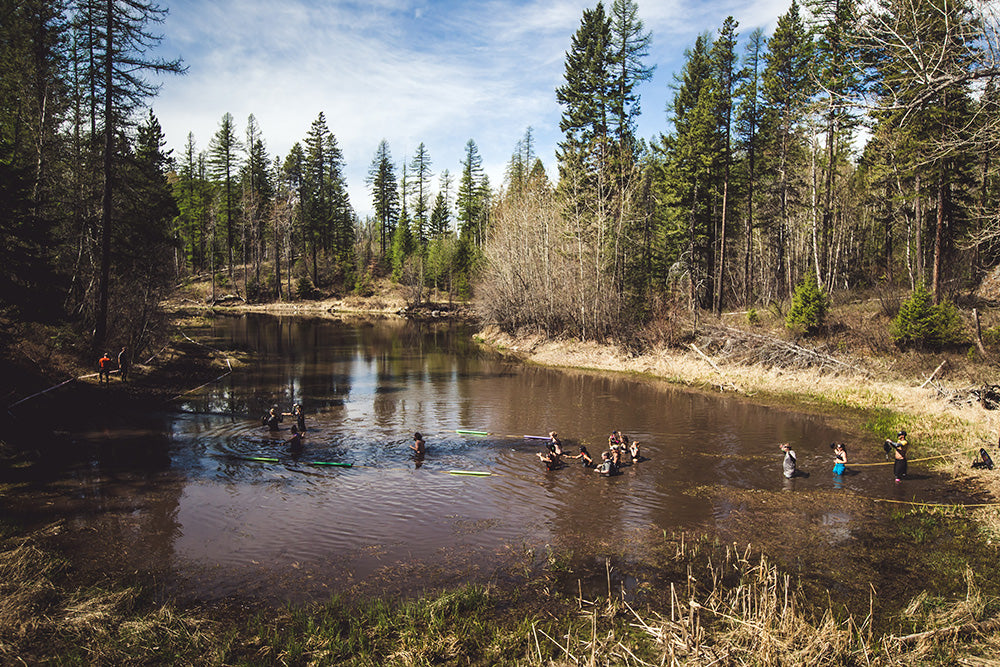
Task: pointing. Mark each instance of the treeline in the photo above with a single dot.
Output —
(289, 227)
(853, 146)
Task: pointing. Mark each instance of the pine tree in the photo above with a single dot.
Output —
(223, 162)
(258, 192)
(835, 54)
(787, 89)
(585, 98)
(467, 199)
(629, 45)
(748, 126)
(123, 39)
(35, 99)
(724, 63)
(420, 167)
(810, 305)
(691, 154)
(385, 196)
(440, 223)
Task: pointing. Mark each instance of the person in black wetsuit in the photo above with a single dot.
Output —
(272, 419)
(295, 442)
(300, 417)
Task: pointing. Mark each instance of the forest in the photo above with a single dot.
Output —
(849, 149)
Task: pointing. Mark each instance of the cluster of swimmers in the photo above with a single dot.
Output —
(894, 450)
(621, 451)
(273, 419)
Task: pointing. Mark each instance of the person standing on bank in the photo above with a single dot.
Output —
(104, 369)
(123, 364)
(899, 448)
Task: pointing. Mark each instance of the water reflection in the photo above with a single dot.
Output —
(239, 514)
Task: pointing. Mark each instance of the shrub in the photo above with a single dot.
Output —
(809, 307)
(305, 289)
(922, 324)
(753, 317)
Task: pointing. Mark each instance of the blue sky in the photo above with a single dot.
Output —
(409, 71)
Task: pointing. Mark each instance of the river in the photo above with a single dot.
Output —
(179, 493)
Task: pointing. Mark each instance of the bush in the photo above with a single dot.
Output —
(922, 324)
(809, 307)
(305, 289)
(753, 317)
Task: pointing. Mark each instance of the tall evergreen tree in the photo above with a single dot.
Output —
(385, 196)
(420, 168)
(585, 97)
(35, 100)
(787, 87)
(258, 193)
(440, 223)
(835, 54)
(468, 199)
(629, 45)
(724, 63)
(224, 164)
(748, 131)
(123, 39)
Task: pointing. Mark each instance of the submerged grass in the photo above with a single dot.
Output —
(723, 605)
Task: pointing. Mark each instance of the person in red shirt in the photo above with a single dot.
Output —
(104, 369)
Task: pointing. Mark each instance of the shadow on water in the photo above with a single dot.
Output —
(218, 505)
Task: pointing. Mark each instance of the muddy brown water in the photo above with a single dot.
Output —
(174, 494)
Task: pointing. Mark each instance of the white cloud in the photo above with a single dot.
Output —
(406, 70)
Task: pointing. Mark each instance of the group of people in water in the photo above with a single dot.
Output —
(272, 420)
(894, 449)
(621, 451)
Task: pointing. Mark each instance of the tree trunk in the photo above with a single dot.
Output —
(101, 326)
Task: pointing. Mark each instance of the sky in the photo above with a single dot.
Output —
(439, 72)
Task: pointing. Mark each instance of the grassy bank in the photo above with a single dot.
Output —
(719, 604)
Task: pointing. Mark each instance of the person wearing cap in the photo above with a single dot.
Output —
(788, 465)
(899, 455)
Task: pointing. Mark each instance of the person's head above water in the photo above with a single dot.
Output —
(417, 436)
